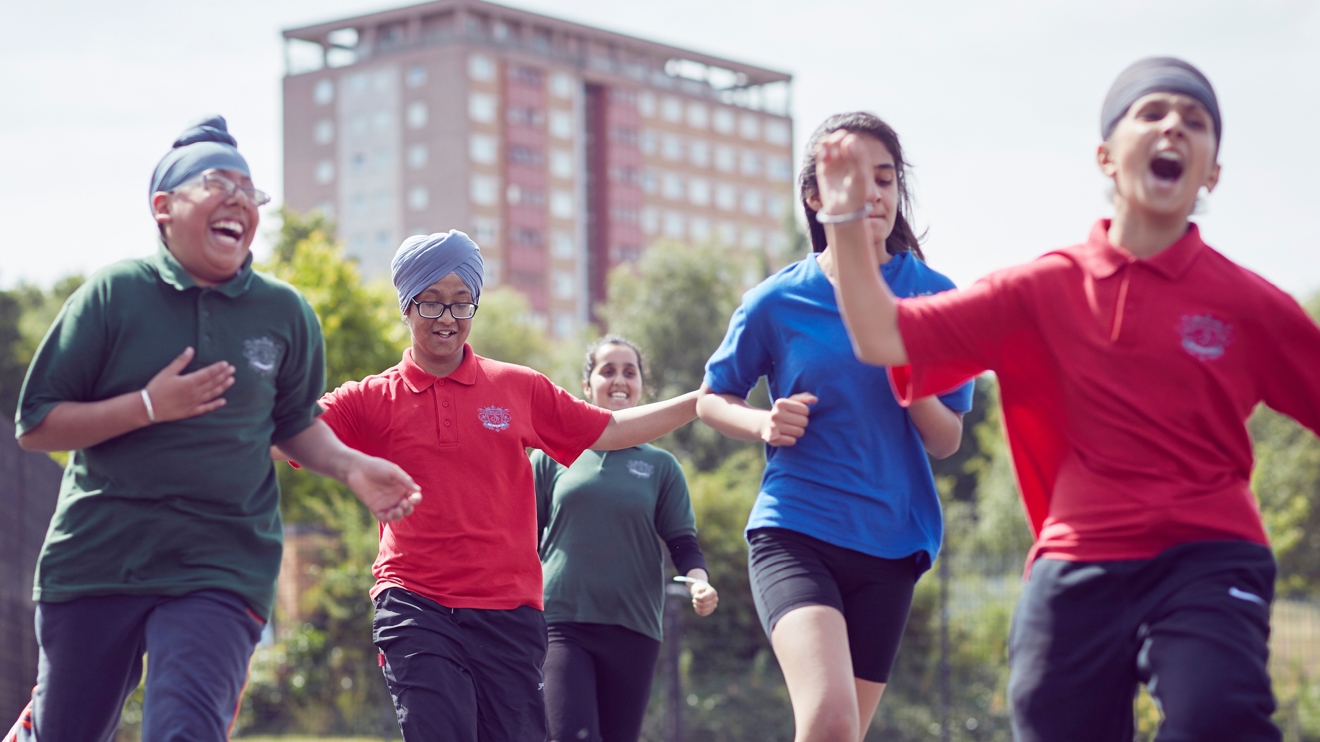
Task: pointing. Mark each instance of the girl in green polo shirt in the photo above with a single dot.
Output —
(604, 571)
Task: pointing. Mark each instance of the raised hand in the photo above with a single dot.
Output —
(841, 173)
(387, 491)
(176, 395)
(787, 420)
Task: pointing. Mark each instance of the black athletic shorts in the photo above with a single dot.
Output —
(790, 570)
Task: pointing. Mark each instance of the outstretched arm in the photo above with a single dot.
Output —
(781, 425)
(382, 486)
(940, 427)
(638, 425)
(172, 395)
(869, 310)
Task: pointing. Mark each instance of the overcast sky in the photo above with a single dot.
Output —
(997, 104)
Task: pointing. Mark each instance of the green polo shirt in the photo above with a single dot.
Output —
(185, 505)
(602, 560)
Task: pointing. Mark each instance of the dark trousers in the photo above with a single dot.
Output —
(1193, 624)
(91, 658)
(465, 674)
(597, 682)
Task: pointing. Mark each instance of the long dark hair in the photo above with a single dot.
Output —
(902, 238)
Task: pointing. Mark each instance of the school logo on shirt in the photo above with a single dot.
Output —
(640, 469)
(1205, 337)
(494, 418)
(262, 354)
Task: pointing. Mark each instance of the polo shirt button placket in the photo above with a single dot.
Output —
(446, 423)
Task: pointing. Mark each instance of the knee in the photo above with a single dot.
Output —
(1229, 714)
(830, 723)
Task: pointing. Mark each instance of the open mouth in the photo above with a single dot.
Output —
(228, 230)
(446, 334)
(618, 395)
(1167, 166)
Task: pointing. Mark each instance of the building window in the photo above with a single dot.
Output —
(358, 161)
(776, 206)
(564, 324)
(723, 121)
(561, 163)
(416, 76)
(416, 114)
(419, 197)
(561, 204)
(699, 191)
(728, 234)
(751, 202)
(751, 238)
(778, 169)
(521, 154)
(563, 284)
(485, 190)
(726, 197)
(480, 67)
(726, 158)
(529, 77)
(699, 153)
(671, 109)
(777, 132)
(324, 92)
(383, 120)
(483, 148)
(417, 155)
(649, 182)
(646, 104)
(625, 135)
(650, 220)
(481, 107)
(327, 209)
(647, 142)
(699, 228)
(525, 116)
(561, 124)
(324, 131)
(671, 186)
(485, 230)
(524, 236)
(674, 225)
(325, 172)
(562, 85)
(750, 164)
(698, 116)
(749, 126)
(358, 125)
(561, 245)
(671, 147)
(358, 83)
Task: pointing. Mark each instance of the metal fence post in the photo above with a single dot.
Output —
(676, 596)
(946, 685)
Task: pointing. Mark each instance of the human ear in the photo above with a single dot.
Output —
(160, 207)
(1212, 179)
(814, 202)
(1105, 159)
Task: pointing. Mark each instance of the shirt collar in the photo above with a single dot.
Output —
(171, 271)
(1102, 259)
(418, 380)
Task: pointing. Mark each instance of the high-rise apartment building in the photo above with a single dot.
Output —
(564, 150)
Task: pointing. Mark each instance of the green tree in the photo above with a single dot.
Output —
(12, 364)
(506, 330)
(676, 303)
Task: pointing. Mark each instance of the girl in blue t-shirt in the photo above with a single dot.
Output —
(847, 518)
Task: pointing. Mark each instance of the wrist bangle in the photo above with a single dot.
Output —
(146, 402)
(841, 218)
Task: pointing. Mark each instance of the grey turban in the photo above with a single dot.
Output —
(1157, 75)
(205, 145)
(424, 259)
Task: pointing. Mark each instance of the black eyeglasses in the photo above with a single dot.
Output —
(436, 309)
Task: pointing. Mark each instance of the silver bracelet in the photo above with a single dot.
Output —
(865, 211)
(146, 401)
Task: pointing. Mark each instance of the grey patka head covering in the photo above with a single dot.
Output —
(1157, 75)
(205, 145)
(424, 259)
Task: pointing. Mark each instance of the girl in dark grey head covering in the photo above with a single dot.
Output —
(1157, 75)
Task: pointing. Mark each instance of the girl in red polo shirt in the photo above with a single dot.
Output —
(458, 596)
(1128, 366)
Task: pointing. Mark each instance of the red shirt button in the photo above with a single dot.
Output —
(446, 423)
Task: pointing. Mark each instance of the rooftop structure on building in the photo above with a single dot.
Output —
(564, 150)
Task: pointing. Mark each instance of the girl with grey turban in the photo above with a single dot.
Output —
(1127, 366)
(424, 259)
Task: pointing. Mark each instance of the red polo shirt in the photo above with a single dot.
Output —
(472, 541)
(1126, 385)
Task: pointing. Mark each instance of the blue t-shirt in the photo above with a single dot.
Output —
(859, 477)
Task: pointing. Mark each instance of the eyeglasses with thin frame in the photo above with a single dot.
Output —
(217, 183)
(436, 309)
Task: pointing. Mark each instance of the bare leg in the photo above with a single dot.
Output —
(811, 644)
(868, 698)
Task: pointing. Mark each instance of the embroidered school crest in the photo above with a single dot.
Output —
(494, 418)
(640, 469)
(262, 354)
(1205, 337)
